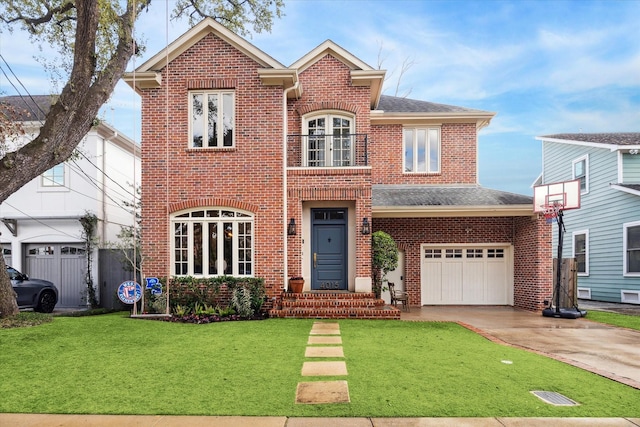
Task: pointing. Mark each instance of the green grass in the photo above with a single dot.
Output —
(615, 319)
(112, 364)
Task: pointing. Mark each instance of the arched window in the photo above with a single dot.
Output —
(212, 242)
(330, 140)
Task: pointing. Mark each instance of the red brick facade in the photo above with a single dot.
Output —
(175, 177)
(250, 177)
(459, 156)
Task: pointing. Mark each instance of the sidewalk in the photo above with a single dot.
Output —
(45, 420)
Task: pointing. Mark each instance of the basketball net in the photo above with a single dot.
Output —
(551, 211)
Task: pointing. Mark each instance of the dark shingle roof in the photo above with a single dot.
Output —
(394, 104)
(27, 108)
(616, 138)
(416, 195)
(635, 187)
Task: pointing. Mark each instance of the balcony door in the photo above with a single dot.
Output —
(330, 141)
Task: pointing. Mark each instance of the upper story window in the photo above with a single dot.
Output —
(330, 141)
(581, 171)
(422, 150)
(212, 119)
(54, 177)
(212, 242)
(581, 251)
(631, 248)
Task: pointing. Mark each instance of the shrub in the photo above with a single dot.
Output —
(188, 293)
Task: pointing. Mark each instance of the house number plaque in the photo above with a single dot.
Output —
(330, 285)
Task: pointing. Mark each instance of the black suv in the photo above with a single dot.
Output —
(41, 295)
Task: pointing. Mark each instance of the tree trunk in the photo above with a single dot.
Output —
(70, 118)
(8, 304)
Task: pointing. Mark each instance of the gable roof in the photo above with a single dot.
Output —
(26, 108)
(147, 75)
(362, 74)
(613, 141)
(385, 109)
(34, 108)
(426, 200)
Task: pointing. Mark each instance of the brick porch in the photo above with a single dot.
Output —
(333, 305)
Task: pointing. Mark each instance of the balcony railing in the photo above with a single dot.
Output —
(327, 151)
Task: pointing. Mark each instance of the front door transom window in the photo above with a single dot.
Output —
(212, 242)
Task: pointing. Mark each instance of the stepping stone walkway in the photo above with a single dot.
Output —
(322, 344)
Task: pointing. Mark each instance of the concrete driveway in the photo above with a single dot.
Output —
(605, 350)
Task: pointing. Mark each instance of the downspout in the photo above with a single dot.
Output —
(285, 199)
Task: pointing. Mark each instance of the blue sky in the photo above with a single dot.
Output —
(543, 66)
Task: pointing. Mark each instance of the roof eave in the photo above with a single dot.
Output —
(610, 147)
(139, 81)
(371, 78)
(625, 189)
(482, 119)
(451, 211)
(287, 78)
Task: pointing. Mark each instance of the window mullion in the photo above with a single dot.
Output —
(205, 121)
(416, 157)
(234, 248)
(190, 248)
(220, 118)
(220, 258)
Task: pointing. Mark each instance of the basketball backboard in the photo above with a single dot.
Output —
(563, 195)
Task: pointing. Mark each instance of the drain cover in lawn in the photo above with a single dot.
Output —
(554, 398)
(323, 392)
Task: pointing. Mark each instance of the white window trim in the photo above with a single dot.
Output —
(586, 250)
(626, 226)
(220, 136)
(326, 114)
(55, 188)
(415, 158)
(174, 218)
(584, 158)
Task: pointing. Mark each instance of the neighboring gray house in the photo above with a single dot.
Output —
(604, 234)
(40, 232)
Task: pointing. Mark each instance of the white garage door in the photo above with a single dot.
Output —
(466, 275)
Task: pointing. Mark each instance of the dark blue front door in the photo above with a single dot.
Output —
(329, 246)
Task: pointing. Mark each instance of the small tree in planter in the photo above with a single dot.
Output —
(384, 258)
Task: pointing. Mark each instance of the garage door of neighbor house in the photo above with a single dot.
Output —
(64, 265)
(466, 275)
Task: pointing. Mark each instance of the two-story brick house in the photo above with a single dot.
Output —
(300, 164)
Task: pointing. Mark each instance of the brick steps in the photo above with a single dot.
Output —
(333, 305)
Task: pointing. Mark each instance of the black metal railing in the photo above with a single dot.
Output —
(326, 151)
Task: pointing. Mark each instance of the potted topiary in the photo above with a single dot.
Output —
(296, 284)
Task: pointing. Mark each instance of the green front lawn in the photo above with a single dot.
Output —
(112, 364)
(615, 319)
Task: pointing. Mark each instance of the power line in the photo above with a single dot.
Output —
(42, 123)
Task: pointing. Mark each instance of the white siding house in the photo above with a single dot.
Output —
(41, 234)
(604, 234)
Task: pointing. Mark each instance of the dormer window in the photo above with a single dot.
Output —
(330, 141)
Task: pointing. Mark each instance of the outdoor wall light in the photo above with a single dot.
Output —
(291, 228)
(366, 227)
